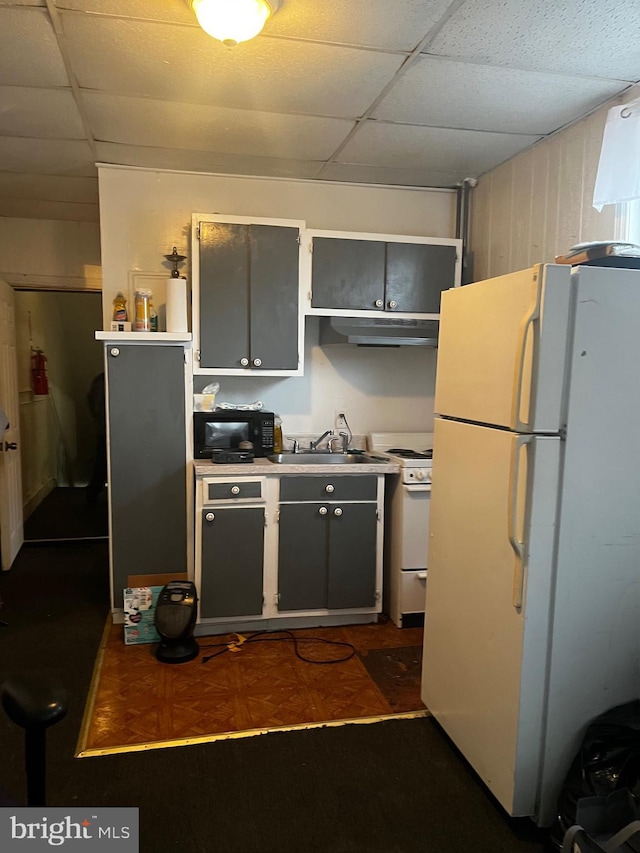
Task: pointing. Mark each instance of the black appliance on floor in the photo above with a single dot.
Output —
(176, 614)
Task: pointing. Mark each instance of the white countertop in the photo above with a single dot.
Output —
(261, 467)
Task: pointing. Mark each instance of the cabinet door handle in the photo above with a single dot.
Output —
(209, 516)
(329, 488)
(393, 304)
(257, 362)
(244, 362)
(114, 351)
(379, 303)
(235, 490)
(337, 511)
(322, 510)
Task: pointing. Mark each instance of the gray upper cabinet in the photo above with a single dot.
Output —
(347, 274)
(355, 274)
(247, 296)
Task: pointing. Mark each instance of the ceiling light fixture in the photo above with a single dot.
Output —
(233, 21)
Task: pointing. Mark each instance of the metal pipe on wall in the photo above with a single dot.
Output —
(462, 226)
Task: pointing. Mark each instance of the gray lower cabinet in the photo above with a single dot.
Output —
(327, 556)
(147, 461)
(372, 275)
(232, 558)
(248, 294)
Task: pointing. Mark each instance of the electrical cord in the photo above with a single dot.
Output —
(259, 637)
(346, 423)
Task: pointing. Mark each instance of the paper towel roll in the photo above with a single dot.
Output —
(177, 305)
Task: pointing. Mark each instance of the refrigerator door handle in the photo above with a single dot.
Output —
(512, 520)
(527, 321)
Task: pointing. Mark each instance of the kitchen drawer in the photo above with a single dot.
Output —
(239, 489)
(413, 587)
(326, 487)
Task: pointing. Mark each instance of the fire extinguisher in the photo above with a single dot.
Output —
(39, 380)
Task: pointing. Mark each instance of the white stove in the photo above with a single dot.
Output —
(411, 450)
(406, 523)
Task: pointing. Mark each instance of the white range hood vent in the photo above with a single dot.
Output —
(378, 331)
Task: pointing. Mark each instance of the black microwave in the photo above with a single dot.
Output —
(223, 430)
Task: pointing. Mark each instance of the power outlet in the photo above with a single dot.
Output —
(339, 420)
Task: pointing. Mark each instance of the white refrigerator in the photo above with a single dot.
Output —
(532, 623)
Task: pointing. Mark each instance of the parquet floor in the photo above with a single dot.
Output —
(138, 703)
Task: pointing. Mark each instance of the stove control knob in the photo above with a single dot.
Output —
(428, 476)
(419, 475)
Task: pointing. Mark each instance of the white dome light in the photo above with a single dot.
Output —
(233, 21)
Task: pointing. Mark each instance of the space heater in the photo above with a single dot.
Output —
(176, 613)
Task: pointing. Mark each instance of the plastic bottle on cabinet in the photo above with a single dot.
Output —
(153, 317)
(120, 308)
(277, 434)
(142, 322)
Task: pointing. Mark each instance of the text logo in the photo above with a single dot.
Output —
(76, 829)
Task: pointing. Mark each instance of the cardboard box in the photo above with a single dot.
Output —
(139, 614)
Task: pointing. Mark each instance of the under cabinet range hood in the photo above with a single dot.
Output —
(378, 331)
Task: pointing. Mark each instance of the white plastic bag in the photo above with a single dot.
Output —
(618, 177)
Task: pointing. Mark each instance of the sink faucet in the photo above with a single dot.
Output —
(343, 437)
(313, 445)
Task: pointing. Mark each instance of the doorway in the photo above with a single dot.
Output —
(58, 433)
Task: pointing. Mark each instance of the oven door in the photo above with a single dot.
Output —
(412, 528)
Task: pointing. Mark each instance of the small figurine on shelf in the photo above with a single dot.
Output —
(175, 259)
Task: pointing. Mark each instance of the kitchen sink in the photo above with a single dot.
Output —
(323, 458)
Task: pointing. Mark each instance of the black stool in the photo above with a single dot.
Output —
(34, 704)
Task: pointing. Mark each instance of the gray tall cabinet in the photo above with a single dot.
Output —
(147, 460)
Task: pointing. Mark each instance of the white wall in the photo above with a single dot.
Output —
(145, 213)
(540, 203)
(47, 253)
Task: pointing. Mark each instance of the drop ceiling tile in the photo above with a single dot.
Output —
(399, 25)
(139, 121)
(46, 156)
(184, 64)
(44, 113)
(30, 55)
(28, 209)
(204, 161)
(445, 93)
(175, 11)
(594, 37)
(432, 148)
(14, 185)
(390, 177)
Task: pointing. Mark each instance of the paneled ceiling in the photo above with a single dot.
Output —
(401, 92)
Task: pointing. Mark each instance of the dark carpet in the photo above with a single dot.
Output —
(392, 787)
(67, 513)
